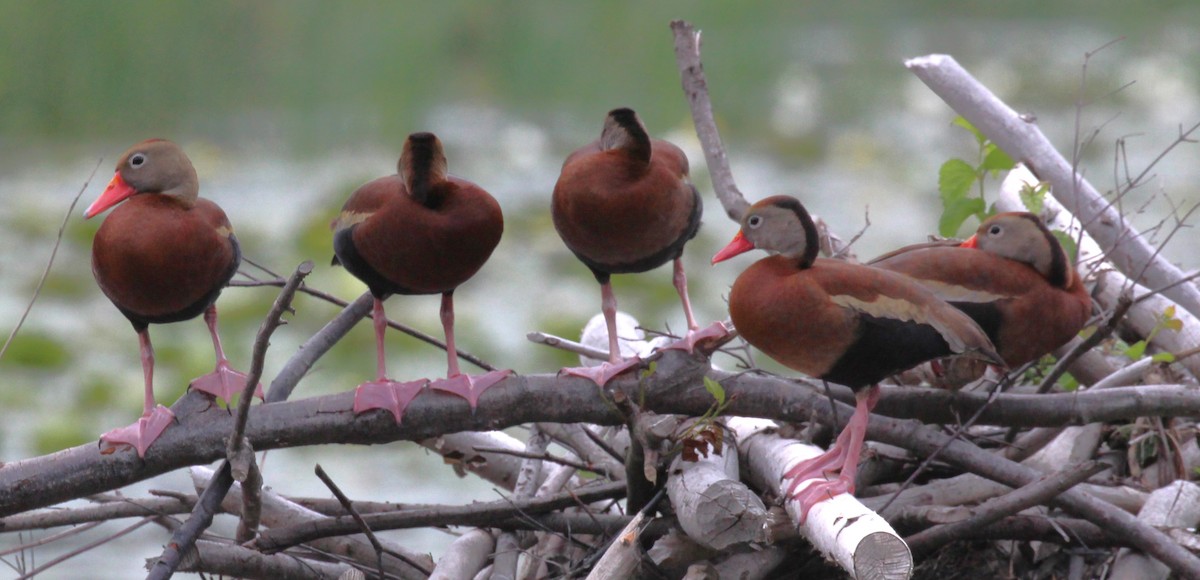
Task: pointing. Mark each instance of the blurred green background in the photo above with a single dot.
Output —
(286, 107)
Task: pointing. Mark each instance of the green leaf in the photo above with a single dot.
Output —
(715, 389)
(1068, 244)
(1163, 357)
(956, 213)
(1068, 383)
(995, 159)
(650, 368)
(954, 180)
(965, 124)
(1033, 198)
(1136, 350)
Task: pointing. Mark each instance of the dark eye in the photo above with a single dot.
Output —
(137, 160)
(754, 221)
(995, 230)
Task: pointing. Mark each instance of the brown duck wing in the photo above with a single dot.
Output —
(1025, 315)
(846, 323)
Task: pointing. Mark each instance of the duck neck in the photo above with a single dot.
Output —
(423, 167)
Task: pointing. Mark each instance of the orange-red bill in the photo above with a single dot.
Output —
(972, 242)
(738, 245)
(116, 192)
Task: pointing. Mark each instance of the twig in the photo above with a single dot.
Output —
(482, 514)
(101, 513)
(349, 507)
(316, 346)
(551, 458)
(240, 456)
(695, 88)
(1036, 493)
(33, 543)
(272, 321)
(566, 344)
(37, 291)
(185, 537)
(508, 543)
(83, 549)
(233, 561)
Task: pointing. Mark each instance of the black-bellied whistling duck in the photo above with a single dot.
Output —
(844, 323)
(1021, 289)
(163, 256)
(624, 204)
(420, 231)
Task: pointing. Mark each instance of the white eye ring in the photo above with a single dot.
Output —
(995, 230)
(137, 160)
(754, 221)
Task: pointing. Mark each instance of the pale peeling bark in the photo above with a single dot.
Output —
(465, 557)
(462, 450)
(712, 505)
(842, 528)
(1174, 506)
(623, 555)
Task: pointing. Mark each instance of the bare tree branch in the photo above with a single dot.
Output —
(695, 88)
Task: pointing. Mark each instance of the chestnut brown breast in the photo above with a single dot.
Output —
(159, 260)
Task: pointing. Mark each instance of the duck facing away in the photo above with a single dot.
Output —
(420, 231)
(624, 204)
(1021, 288)
(163, 256)
(840, 322)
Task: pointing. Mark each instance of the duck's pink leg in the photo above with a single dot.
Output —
(466, 386)
(223, 383)
(694, 334)
(843, 455)
(604, 372)
(155, 418)
(384, 393)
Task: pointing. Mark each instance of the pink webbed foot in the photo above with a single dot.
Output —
(385, 394)
(603, 372)
(141, 433)
(470, 387)
(819, 491)
(224, 383)
(689, 341)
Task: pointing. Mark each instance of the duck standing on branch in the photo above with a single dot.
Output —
(1021, 288)
(163, 256)
(840, 322)
(420, 231)
(624, 204)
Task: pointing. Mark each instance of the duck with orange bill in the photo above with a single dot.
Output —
(1012, 277)
(163, 255)
(844, 323)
